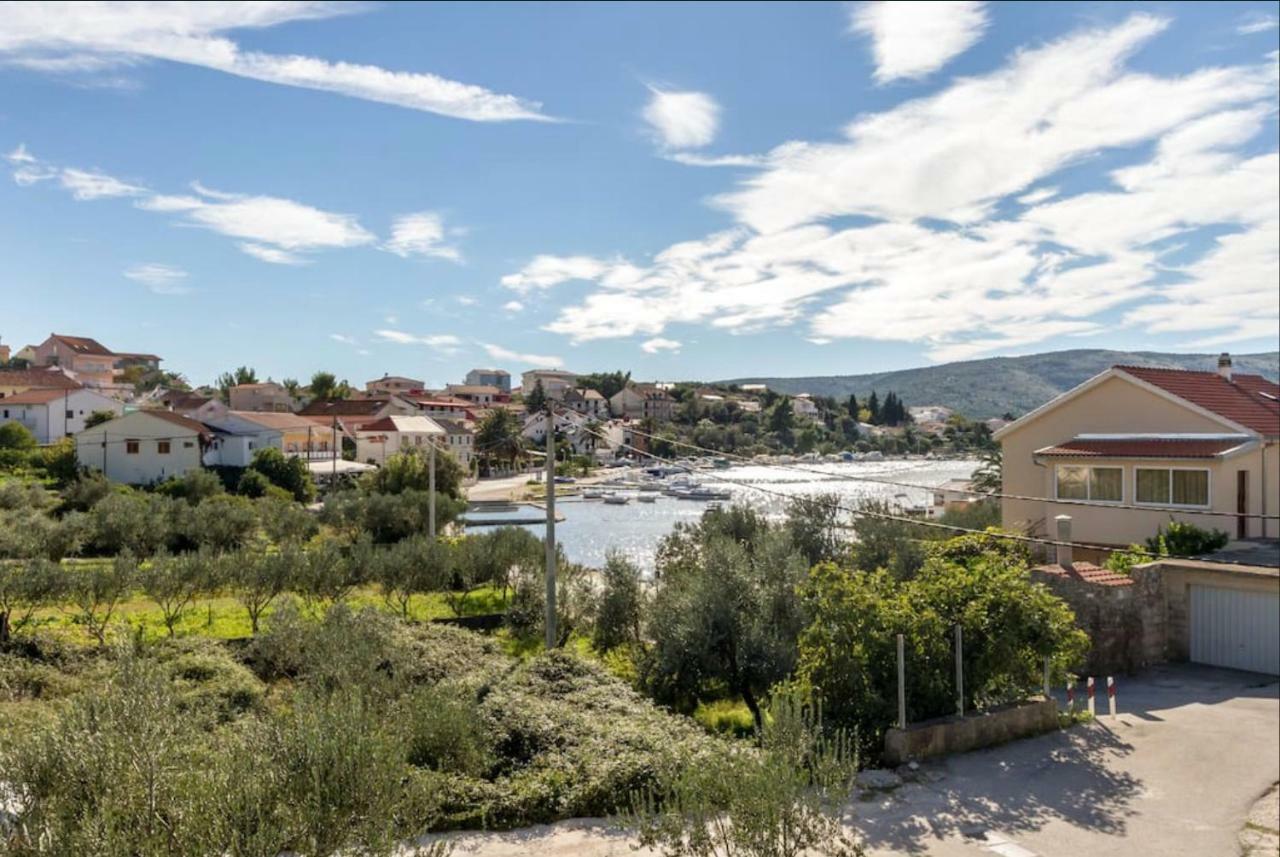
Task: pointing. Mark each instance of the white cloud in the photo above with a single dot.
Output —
(1257, 22)
(682, 120)
(88, 184)
(446, 343)
(513, 306)
(497, 352)
(547, 271)
(912, 38)
(20, 155)
(272, 255)
(693, 159)
(344, 339)
(160, 279)
(658, 345)
(420, 234)
(466, 300)
(937, 254)
(90, 36)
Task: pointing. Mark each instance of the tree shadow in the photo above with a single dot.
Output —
(1064, 776)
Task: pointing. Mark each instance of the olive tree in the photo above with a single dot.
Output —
(24, 589)
(174, 583)
(96, 592)
(257, 579)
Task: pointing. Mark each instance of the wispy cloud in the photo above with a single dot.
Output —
(445, 343)
(913, 38)
(1257, 22)
(497, 352)
(657, 345)
(939, 255)
(682, 120)
(421, 233)
(91, 36)
(513, 306)
(344, 339)
(160, 279)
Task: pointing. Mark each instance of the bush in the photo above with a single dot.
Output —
(446, 731)
(14, 435)
(621, 605)
(410, 471)
(1182, 539)
(222, 523)
(194, 486)
(82, 493)
(136, 522)
(287, 472)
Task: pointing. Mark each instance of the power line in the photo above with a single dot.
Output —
(849, 477)
(865, 513)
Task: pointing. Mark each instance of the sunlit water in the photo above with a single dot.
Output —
(591, 529)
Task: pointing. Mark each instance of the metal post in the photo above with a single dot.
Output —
(1071, 694)
(551, 530)
(1089, 683)
(431, 489)
(959, 671)
(1111, 694)
(1047, 686)
(333, 473)
(902, 684)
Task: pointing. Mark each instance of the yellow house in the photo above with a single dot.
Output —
(1133, 447)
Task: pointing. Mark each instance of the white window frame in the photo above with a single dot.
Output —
(1089, 500)
(1208, 471)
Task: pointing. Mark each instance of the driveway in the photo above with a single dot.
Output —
(1175, 773)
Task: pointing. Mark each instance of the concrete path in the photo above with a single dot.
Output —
(1176, 773)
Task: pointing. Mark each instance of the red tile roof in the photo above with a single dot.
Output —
(1087, 572)
(1247, 400)
(35, 397)
(1143, 448)
(84, 345)
(344, 408)
(37, 379)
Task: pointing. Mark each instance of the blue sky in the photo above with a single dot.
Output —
(683, 190)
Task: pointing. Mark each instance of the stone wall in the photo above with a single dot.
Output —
(1126, 621)
(971, 732)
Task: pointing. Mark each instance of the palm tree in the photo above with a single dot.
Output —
(498, 437)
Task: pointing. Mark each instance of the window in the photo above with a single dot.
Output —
(162, 447)
(131, 447)
(71, 415)
(1096, 484)
(1172, 487)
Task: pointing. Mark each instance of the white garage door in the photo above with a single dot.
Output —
(1235, 628)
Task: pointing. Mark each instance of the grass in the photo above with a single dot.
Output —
(725, 717)
(223, 617)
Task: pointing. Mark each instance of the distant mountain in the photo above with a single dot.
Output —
(990, 387)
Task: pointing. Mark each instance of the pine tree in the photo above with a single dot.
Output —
(853, 406)
(873, 408)
(536, 399)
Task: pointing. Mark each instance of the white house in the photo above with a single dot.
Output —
(587, 402)
(238, 435)
(572, 426)
(460, 439)
(555, 382)
(143, 447)
(378, 440)
(394, 385)
(51, 414)
(803, 406)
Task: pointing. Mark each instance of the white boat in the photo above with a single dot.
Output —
(704, 494)
(617, 500)
(592, 495)
(647, 498)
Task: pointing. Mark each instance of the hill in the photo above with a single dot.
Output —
(990, 387)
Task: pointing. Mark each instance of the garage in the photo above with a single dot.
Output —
(1235, 628)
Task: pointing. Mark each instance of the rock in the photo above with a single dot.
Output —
(878, 780)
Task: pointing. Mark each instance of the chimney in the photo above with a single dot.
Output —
(1224, 365)
(1064, 535)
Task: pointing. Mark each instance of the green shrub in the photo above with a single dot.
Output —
(207, 680)
(1183, 539)
(14, 435)
(288, 472)
(446, 731)
(194, 486)
(725, 717)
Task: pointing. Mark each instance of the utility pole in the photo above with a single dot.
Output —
(551, 529)
(333, 477)
(431, 489)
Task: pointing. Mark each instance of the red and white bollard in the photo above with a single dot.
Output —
(1071, 696)
(1091, 707)
(1111, 694)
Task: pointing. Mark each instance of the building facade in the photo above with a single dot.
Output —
(499, 378)
(267, 396)
(53, 414)
(143, 447)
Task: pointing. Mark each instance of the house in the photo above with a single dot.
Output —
(570, 425)
(642, 401)
(754, 389)
(480, 394)
(394, 385)
(267, 396)
(749, 406)
(1134, 447)
(143, 447)
(499, 378)
(5, 351)
(802, 405)
(587, 402)
(238, 435)
(92, 363)
(555, 382)
(449, 407)
(460, 439)
(201, 408)
(20, 380)
(348, 415)
(384, 437)
(954, 495)
(930, 413)
(51, 414)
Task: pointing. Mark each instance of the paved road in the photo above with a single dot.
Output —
(1174, 774)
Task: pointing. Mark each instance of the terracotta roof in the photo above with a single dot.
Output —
(1087, 572)
(344, 407)
(404, 424)
(1247, 400)
(279, 422)
(37, 378)
(34, 397)
(1144, 447)
(83, 344)
(176, 419)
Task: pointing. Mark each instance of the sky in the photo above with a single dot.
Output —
(683, 190)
